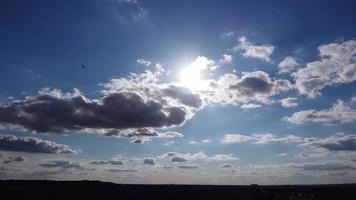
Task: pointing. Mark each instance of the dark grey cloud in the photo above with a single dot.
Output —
(106, 162)
(328, 167)
(188, 166)
(226, 166)
(337, 142)
(32, 145)
(122, 170)
(14, 159)
(142, 135)
(260, 83)
(183, 95)
(186, 156)
(338, 174)
(178, 159)
(149, 161)
(251, 87)
(62, 164)
(53, 111)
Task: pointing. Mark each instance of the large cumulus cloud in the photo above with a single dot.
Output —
(136, 103)
(255, 86)
(337, 65)
(53, 111)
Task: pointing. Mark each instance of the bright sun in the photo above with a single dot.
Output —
(191, 76)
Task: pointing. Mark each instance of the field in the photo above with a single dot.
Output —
(12, 189)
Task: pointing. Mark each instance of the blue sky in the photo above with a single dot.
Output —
(202, 92)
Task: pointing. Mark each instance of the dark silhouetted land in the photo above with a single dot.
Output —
(12, 189)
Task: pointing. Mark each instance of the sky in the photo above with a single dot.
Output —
(178, 92)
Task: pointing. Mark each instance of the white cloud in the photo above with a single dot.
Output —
(288, 64)
(186, 156)
(266, 138)
(227, 34)
(144, 62)
(337, 65)
(353, 99)
(340, 112)
(236, 138)
(250, 106)
(289, 102)
(269, 138)
(222, 157)
(168, 143)
(226, 58)
(190, 75)
(206, 141)
(263, 52)
(251, 87)
(281, 154)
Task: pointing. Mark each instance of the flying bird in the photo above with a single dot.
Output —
(83, 66)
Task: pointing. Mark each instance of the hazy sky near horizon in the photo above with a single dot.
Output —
(201, 92)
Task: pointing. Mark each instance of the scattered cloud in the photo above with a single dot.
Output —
(251, 87)
(184, 156)
(266, 138)
(334, 143)
(250, 106)
(149, 161)
(227, 166)
(282, 154)
(188, 166)
(168, 143)
(327, 167)
(15, 158)
(128, 11)
(250, 49)
(269, 138)
(340, 112)
(337, 65)
(206, 141)
(178, 159)
(106, 162)
(289, 102)
(227, 34)
(62, 164)
(222, 157)
(288, 64)
(122, 170)
(236, 138)
(144, 62)
(32, 145)
(142, 135)
(193, 142)
(226, 58)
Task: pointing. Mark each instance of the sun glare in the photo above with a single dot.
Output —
(191, 75)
